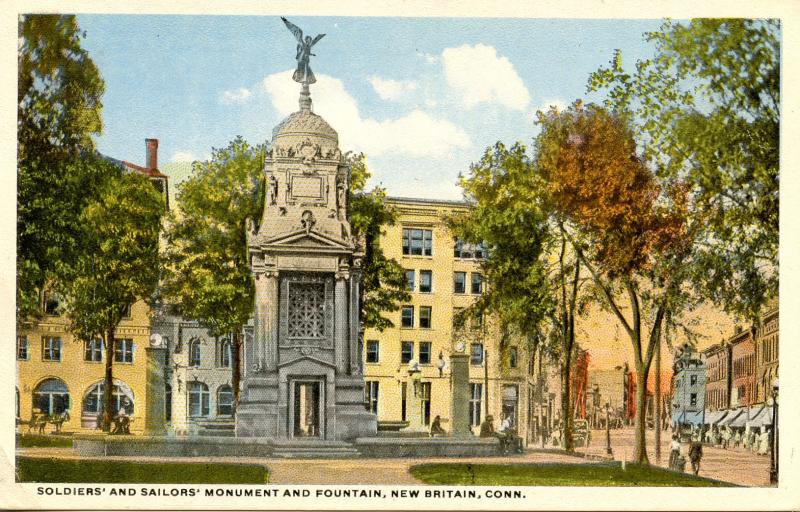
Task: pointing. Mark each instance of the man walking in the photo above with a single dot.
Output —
(695, 454)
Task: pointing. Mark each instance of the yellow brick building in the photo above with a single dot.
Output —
(444, 277)
(57, 373)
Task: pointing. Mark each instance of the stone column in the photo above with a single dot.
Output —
(459, 385)
(340, 320)
(270, 316)
(354, 310)
(154, 417)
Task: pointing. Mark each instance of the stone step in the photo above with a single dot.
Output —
(216, 433)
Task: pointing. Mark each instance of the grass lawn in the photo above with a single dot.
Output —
(600, 475)
(37, 441)
(32, 469)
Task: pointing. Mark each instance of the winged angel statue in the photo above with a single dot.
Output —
(303, 73)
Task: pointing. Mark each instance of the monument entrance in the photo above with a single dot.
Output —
(302, 373)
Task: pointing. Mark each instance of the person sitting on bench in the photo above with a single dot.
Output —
(122, 422)
(436, 427)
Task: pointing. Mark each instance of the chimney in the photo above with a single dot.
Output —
(151, 161)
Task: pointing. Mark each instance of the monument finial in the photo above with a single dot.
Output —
(303, 73)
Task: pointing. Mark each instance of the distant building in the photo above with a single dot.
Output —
(718, 376)
(689, 389)
(743, 359)
(766, 348)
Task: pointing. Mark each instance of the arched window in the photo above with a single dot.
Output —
(51, 396)
(224, 353)
(224, 401)
(194, 353)
(122, 397)
(167, 402)
(198, 399)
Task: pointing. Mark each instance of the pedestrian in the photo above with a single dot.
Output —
(436, 427)
(737, 439)
(675, 452)
(695, 454)
(487, 427)
(763, 442)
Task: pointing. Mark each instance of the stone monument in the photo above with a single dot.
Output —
(302, 372)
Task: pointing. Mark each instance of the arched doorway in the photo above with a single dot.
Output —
(93, 402)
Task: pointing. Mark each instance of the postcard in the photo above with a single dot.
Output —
(347, 257)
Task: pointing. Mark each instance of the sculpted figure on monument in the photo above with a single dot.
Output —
(303, 73)
(273, 189)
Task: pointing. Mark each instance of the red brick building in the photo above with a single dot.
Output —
(718, 376)
(766, 355)
(743, 358)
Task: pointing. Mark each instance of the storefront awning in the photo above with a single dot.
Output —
(763, 418)
(713, 417)
(729, 418)
(745, 417)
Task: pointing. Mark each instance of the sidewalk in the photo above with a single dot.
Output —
(736, 466)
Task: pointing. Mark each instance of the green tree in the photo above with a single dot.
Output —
(58, 110)
(118, 264)
(533, 279)
(629, 233)
(384, 284)
(208, 268)
(707, 111)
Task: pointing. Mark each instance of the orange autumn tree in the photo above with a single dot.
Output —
(628, 230)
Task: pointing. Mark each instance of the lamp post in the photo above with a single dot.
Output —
(609, 451)
(773, 453)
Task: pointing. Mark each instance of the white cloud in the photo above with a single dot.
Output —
(427, 57)
(235, 96)
(479, 75)
(183, 156)
(392, 90)
(416, 133)
(545, 105)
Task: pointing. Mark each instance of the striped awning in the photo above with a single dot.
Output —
(763, 418)
(713, 417)
(745, 417)
(729, 418)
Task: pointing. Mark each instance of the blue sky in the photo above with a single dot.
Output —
(421, 97)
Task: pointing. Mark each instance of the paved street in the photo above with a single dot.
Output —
(738, 466)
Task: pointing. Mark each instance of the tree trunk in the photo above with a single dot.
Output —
(657, 420)
(640, 422)
(108, 383)
(566, 403)
(236, 366)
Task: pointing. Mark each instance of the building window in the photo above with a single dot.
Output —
(373, 351)
(194, 353)
(371, 395)
(425, 402)
(425, 281)
(52, 304)
(693, 380)
(425, 352)
(123, 351)
(22, 348)
(51, 348)
(477, 283)
(512, 357)
(51, 396)
(459, 282)
(693, 399)
(225, 401)
(476, 354)
(224, 353)
(121, 395)
(198, 399)
(406, 351)
(93, 350)
(477, 320)
(467, 250)
(128, 311)
(418, 242)
(425, 317)
(410, 278)
(407, 317)
(475, 399)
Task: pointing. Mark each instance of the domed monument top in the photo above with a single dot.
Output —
(304, 354)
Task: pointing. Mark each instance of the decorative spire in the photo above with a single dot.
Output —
(305, 99)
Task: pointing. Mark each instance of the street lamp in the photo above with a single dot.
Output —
(773, 453)
(609, 451)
